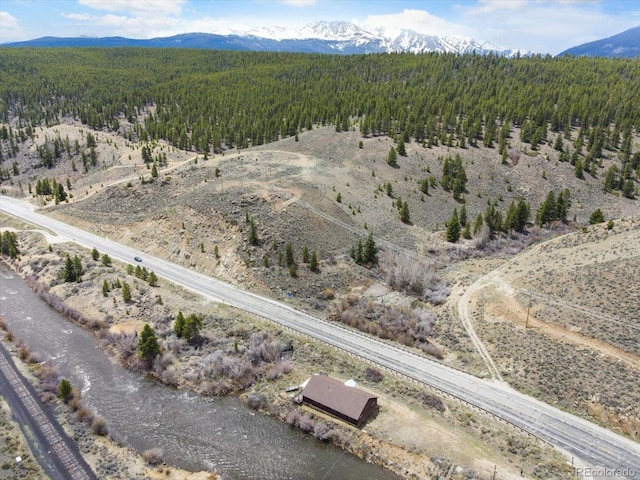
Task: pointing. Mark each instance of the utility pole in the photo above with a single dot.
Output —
(528, 310)
(495, 470)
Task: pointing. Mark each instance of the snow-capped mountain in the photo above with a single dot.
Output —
(319, 37)
(346, 37)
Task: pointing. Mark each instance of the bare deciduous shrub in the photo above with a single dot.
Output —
(293, 417)
(109, 338)
(48, 376)
(339, 437)
(322, 431)
(432, 401)
(278, 370)
(23, 353)
(153, 456)
(36, 357)
(48, 397)
(171, 377)
(373, 374)
(413, 277)
(84, 415)
(403, 325)
(328, 294)
(264, 349)
(257, 401)
(431, 349)
(99, 426)
(305, 423)
(483, 239)
(75, 404)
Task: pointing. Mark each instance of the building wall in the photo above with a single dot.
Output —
(366, 411)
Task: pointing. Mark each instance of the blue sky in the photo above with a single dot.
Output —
(544, 26)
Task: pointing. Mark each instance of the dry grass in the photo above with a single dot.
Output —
(284, 191)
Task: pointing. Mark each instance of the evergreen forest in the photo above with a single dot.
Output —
(209, 99)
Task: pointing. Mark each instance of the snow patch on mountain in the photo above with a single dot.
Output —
(347, 37)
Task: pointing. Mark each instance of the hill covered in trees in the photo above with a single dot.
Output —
(210, 101)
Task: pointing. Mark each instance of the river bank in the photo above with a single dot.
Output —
(400, 438)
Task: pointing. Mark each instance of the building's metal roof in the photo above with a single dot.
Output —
(335, 395)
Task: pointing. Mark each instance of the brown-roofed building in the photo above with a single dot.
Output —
(334, 397)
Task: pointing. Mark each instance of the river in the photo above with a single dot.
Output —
(194, 432)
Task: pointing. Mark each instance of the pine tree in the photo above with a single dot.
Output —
(154, 170)
(178, 326)
(9, 244)
(65, 390)
(192, 327)
(252, 236)
(293, 270)
(313, 262)
(547, 210)
(148, 346)
(466, 233)
(562, 205)
(305, 255)
(477, 224)
(453, 227)
(370, 251)
(126, 292)
(95, 254)
(392, 157)
(523, 213)
(358, 253)
(596, 217)
(404, 213)
(68, 273)
(424, 186)
(463, 216)
(77, 267)
(105, 288)
(288, 254)
(152, 279)
(401, 148)
(493, 219)
(558, 145)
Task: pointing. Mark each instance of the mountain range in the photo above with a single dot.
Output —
(319, 37)
(339, 38)
(625, 44)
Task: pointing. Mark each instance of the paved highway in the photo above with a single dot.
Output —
(590, 444)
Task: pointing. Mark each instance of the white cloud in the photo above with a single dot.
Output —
(419, 21)
(136, 7)
(150, 26)
(488, 6)
(134, 19)
(543, 26)
(10, 30)
(81, 17)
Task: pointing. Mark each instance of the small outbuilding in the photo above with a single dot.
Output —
(335, 398)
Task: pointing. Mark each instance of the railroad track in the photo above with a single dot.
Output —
(51, 435)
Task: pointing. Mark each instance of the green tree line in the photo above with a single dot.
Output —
(211, 99)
